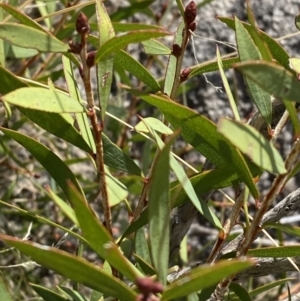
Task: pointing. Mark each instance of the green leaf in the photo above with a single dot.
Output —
(203, 277)
(253, 144)
(227, 88)
(58, 170)
(141, 246)
(269, 286)
(81, 118)
(202, 134)
(98, 237)
(117, 43)
(240, 291)
(272, 78)
(155, 124)
(295, 64)
(20, 53)
(117, 191)
(63, 206)
(22, 17)
(114, 157)
(73, 267)
(43, 100)
(207, 181)
(293, 230)
(4, 293)
(59, 125)
(74, 295)
(277, 51)
(171, 68)
(212, 66)
(105, 66)
(27, 37)
(2, 43)
(248, 51)
(126, 61)
(154, 47)
(47, 294)
(159, 213)
(9, 82)
(145, 266)
(276, 252)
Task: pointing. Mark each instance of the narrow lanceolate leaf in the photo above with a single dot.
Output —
(4, 293)
(297, 21)
(104, 67)
(21, 17)
(227, 88)
(251, 143)
(47, 294)
(60, 125)
(154, 47)
(203, 277)
(98, 237)
(58, 170)
(211, 66)
(73, 267)
(126, 61)
(272, 78)
(159, 213)
(117, 191)
(117, 43)
(187, 185)
(43, 100)
(202, 134)
(276, 252)
(81, 118)
(155, 124)
(2, 45)
(28, 37)
(278, 53)
(114, 157)
(248, 51)
(240, 291)
(171, 68)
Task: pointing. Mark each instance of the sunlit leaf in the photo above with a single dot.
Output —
(43, 100)
(27, 37)
(73, 267)
(131, 65)
(98, 237)
(47, 294)
(155, 124)
(202, 277)
(253, 144)
(154, 47)
(202, 134)
(117, 43)
(159, 212)
(272, 78)
(276, 252)
(248, 51)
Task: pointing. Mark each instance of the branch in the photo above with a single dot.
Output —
(283, 208)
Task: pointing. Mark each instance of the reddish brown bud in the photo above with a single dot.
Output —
(90, 60)
(184, 74)
(74, 47)
(192, 26)
(190, 13)
(176, 51)
(82, 24)
(148, 286)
